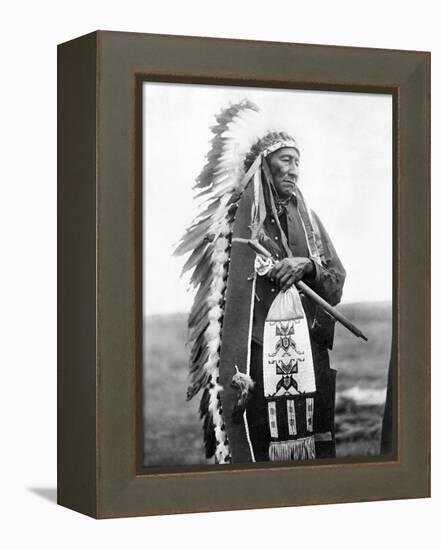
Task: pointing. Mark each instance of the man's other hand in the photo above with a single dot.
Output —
(290, 270)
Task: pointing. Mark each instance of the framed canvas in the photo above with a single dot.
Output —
(276, 177)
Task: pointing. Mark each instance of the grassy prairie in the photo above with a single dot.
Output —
(173, 434)
(362, 378)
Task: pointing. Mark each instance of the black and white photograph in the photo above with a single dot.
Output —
(219, 241)
(266, 272)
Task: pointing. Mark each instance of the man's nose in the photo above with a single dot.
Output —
(293, 169)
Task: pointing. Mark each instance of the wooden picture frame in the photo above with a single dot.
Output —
(99, 372)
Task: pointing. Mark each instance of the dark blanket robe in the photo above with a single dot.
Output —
(328, 283)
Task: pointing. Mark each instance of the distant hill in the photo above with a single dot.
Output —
(355, 311)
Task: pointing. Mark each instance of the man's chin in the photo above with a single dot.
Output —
(288, 190)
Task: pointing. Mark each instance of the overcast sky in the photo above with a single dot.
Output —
(345, 141)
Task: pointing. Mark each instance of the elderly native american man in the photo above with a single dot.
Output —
(259, 347)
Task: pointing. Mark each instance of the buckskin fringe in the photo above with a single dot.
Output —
(294, 449)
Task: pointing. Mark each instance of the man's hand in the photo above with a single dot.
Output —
(290, 270)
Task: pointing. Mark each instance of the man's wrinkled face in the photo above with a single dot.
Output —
(284, 168)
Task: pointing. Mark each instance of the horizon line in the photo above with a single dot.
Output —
(360, 302)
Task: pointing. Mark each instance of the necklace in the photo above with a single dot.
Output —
(281, 205)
